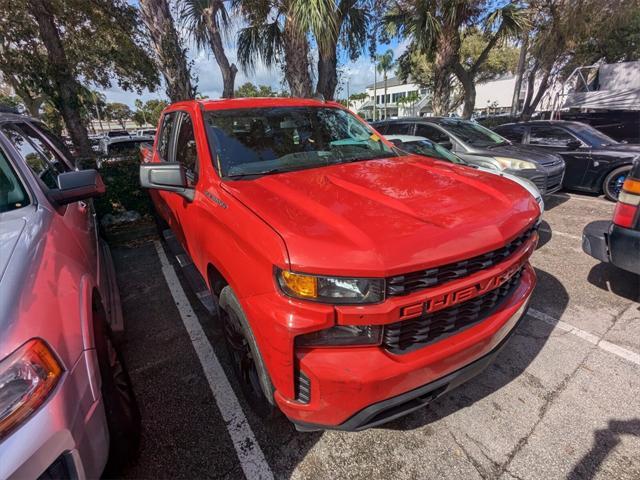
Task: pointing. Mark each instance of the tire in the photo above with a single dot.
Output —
(120, 406)
(245, 356)
(612, 185)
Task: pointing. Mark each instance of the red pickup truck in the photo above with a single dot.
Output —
(355, 282)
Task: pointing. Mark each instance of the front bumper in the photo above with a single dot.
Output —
(67, 434)
(548, 179)
(610, 243)
(344, 381)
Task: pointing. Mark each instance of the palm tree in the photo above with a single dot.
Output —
(331, 22)
(273, 37)
(169, 53)
(207, 20)
(385, 63)
(435, 28)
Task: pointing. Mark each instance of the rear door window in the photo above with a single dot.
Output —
(515, 133)
(432, 133)
(400, 129)
(550, 136)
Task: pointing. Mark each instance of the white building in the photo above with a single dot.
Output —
(494, 97)
(397, 90)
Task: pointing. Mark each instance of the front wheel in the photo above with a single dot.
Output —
(245, 356)
(121, 408)
(613, 182)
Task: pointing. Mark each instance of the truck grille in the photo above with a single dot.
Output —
(554, 182)
(411, 282)
(408, 335)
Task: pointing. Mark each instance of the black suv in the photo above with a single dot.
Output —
(618, 241)
(480, 146)
(595, 162)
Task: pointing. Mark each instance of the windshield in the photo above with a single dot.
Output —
(593, 137)
(472, 133)
(430, 149)
(258, 141)
(12, 192)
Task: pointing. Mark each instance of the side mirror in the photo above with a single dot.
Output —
(574, 144)
(169, 176)
(78, 185)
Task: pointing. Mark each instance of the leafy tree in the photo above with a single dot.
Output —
(437, 29)
(148, 113)
(273, 37)
(118, 112)
(47, 46)
(567, 34)
(248, 89)
(358, 96)
(334, 24)
(207, 21)
(385, 63)
(409, 100)
(170, 55)
(11, 101)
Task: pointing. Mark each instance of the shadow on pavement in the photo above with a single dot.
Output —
(604, 442)
(613, 279)
(552, 201)
(521, 349)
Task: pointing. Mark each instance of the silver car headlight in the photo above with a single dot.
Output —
(507, 163)
(27, 377)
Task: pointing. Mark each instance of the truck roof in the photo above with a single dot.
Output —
(254, 102)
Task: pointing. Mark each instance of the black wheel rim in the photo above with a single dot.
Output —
(615, 184)
(242, 358)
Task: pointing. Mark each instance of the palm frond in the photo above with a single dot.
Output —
(354, 31)
(259, 42)
(192, 17)
(317, 17)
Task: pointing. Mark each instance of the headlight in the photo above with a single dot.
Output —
(330, 289)
(342, 335)
(27, 376)
(513, 163)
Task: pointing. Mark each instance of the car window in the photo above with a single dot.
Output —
(55, 140)
(432, 133)
(551, 136)
(186, 144)
(165, 135)
(125, 148)
(515, 133)
(12, 193)
(431, 149)
(471, 133)
(400, 129)
(43, 161)
(260, 141)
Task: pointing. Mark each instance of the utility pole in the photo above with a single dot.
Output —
(348, 98)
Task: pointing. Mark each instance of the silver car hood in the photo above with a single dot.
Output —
(523, 182)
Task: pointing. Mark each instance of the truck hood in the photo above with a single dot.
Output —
(385, 217)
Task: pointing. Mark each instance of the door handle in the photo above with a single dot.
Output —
(83, 206)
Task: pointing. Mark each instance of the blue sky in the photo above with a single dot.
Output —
(360, 74)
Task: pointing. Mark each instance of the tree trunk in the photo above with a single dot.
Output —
(327, 71)
(169, 54)
(447, 48)
(515, 103)
(65, 88)
(296, 61)
(469, 87)
(531, 103)
(229, 70)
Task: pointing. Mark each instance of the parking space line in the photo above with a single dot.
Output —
(589, 337)
(601, 201)
(561, 234)
(252, 460)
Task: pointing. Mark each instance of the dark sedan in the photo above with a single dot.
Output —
(480, 146)
(595, 162)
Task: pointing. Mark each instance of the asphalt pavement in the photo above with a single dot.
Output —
(561, 401)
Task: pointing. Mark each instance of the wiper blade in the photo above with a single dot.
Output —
(258, 173)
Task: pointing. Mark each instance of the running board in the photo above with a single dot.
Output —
(194, 279)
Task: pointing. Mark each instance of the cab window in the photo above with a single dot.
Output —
(12, 193)
(551, 136)
(44, 161)
(164, 140)
(400, 129)
(432, 133)
(186, 144)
